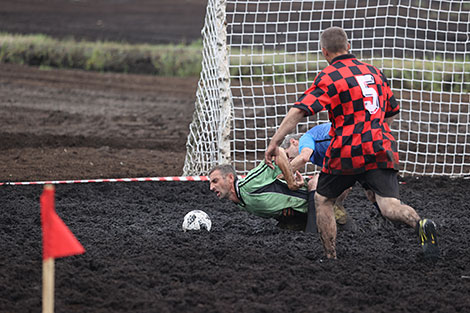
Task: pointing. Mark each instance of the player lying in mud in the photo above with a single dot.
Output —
(289, 200)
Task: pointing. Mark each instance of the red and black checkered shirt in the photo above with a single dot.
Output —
(358, 98)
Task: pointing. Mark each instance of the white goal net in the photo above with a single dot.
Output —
(260, 56)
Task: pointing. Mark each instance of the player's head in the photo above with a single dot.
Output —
(334, 41)
(291, 145)
(221, 179)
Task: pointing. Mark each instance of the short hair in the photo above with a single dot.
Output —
(286, 142)
(334, 39)
(225, 169)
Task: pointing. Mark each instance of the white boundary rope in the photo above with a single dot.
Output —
(110, 180)
(121, 180)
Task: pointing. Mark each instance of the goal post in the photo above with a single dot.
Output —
(208, 141)
(260, 56)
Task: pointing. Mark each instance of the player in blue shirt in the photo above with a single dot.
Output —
(312, 147)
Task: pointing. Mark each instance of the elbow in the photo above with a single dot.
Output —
(305, 159)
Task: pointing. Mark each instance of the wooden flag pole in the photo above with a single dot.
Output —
(58, 241)
(48, 285)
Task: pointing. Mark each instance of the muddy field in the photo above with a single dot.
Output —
(59, 124)
(133, 21)
(138, 259)
(79, 125)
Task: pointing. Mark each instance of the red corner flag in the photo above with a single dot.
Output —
(57, 240)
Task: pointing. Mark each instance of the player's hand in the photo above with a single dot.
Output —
(299, 180)
(271, 152)
(297, 183)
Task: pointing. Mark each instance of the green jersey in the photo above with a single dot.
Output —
(262, 194)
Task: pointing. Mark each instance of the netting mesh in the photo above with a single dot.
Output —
(273, 54)
(209, 133)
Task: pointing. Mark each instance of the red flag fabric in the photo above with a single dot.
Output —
(57, 239)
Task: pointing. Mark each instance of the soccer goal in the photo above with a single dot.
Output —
(260, 56)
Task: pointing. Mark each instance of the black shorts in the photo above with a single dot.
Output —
(296, 221)
(384, 182)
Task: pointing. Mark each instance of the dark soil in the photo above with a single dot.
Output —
(132, 21)
(65, 124)
(79, 125)
(138, 259)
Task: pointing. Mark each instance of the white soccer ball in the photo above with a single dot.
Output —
(197, 219)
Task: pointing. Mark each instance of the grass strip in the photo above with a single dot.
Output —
(44, 51)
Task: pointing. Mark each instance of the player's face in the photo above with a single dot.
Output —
(220, 185)
(292, 152)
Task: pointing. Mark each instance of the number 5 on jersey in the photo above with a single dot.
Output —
(364, 81)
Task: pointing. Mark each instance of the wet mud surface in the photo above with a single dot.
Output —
(78, 125)
(138, 259)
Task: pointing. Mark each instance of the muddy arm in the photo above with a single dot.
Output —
(294, 181)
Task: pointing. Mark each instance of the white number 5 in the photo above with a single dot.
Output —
(368, 92)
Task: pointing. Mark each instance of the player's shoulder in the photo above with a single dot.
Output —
(320, 132)
(320, 78)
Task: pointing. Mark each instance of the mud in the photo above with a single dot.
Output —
(138, 259)
(79, 125)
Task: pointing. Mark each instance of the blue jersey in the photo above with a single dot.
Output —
(318, 139)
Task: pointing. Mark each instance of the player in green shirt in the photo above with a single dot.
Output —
(264, 194)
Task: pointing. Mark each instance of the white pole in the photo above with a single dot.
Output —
(224, 85)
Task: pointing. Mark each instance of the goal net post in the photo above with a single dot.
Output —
(208, 141)
(260, 56)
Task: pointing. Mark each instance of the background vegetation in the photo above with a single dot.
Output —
(44, 51)
(185, 60)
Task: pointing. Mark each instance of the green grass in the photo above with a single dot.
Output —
(47, 52)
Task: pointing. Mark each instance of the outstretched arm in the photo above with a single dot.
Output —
(294, 180)
(288, 124)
